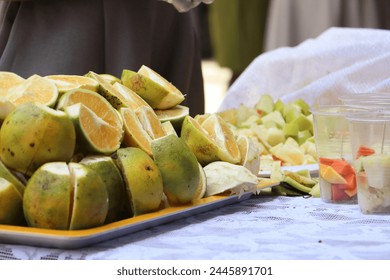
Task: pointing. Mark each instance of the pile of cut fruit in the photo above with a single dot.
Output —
(78, 152)
(284, 136)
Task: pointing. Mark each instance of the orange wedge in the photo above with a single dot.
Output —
(65, 83)
(150, 122)
(152, 87)
(210, 141)
(117, 94)
(220, 132)
(94, 133)
(95, 102)
(134, 133)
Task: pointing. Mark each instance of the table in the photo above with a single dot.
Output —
(261, 227)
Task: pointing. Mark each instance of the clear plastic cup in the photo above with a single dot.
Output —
(380, 99)
(370, 142)
(337, 176)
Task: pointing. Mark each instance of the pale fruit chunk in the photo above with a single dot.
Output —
(330, 175)
(179, 169)
(296, 157)
(9, 80)
(303, 122)
(265, 105)
(250, 154)
(94, 134)
(377, 168)
(143, 180)
(34, 134)
(152, 87)
(134, 133)
(275, 118)
(62, 196)
(112, 178)
(305, 108)
(275, 136)
(224, 176)
(309, 148)
(240, 115)
(279, 106)
(291, 112)
(289, 152)
(11, 201)
(291, 130)
(34, 89)
(65, 83)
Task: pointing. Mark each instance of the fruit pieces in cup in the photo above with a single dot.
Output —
(370, 140)
(373, 182)
(337, 180)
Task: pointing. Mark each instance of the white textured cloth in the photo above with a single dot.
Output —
(262, 227)
(340, 60)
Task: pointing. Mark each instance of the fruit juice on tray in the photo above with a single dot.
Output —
(373, 181)
(336, 173)
(370, 140)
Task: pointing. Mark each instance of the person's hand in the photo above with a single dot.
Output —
(186, 5)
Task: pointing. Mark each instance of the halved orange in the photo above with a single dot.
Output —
(175, 115)
(9, 80)
(34, 89)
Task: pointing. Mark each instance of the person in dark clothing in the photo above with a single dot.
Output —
(105, 36)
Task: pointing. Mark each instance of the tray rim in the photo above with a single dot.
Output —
(75, 239)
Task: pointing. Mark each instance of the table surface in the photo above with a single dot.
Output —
(261, 227)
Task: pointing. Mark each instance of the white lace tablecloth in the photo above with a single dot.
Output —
(262, 227)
